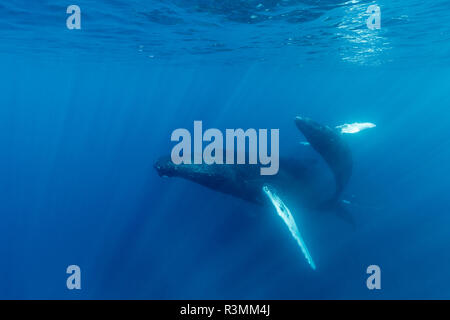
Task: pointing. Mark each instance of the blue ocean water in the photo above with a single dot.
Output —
(84, 114)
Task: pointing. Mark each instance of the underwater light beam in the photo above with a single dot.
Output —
(284, 212)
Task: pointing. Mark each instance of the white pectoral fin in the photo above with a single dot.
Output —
(285, 214)
(355, 127)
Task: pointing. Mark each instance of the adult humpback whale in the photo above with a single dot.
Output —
(295, 183)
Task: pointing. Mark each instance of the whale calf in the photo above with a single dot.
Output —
(297, 181)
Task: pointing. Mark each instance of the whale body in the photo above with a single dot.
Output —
(297, 176)
(298, 180)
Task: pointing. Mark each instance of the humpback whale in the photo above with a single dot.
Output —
(297, 181)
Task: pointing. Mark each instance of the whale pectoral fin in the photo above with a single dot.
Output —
(285, 214)
(355, 127)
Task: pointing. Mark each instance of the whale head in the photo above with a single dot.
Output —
(200, 173)
(165, 167)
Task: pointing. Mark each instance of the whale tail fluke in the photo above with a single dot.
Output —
(344, 213)
(341, 208)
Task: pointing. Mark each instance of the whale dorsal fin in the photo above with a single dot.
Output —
(330, 145)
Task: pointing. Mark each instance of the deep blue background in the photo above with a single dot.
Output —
(81, 126)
